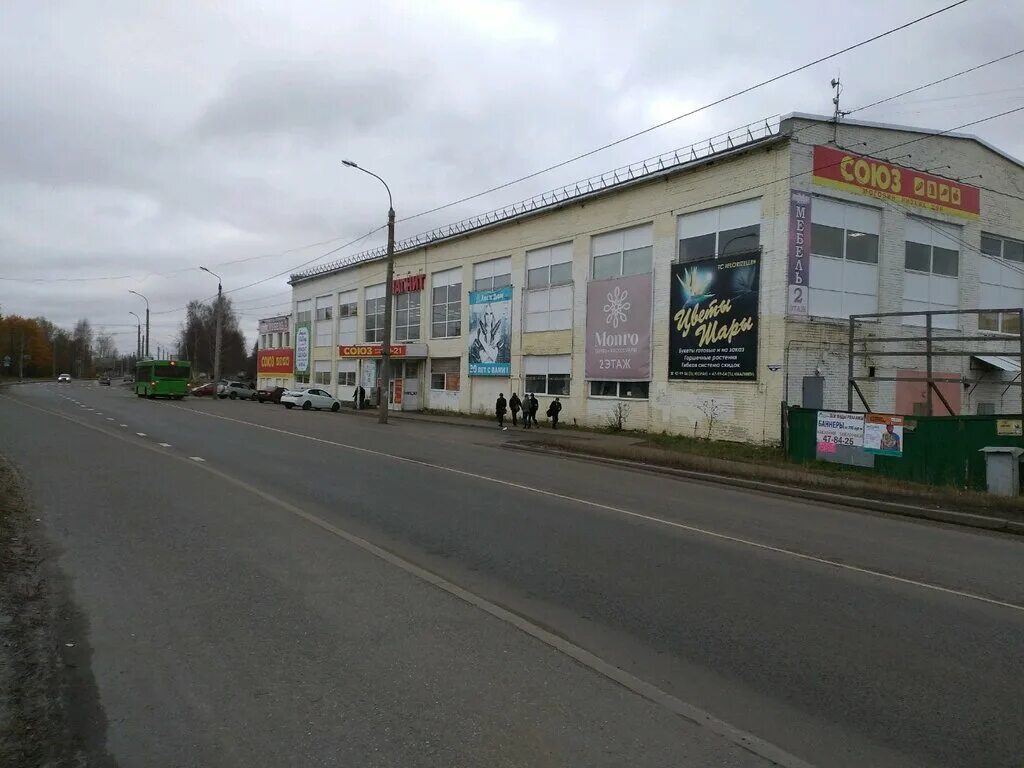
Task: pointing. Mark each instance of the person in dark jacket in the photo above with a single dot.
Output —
(534, 407)
(515, 405)
(500, 407)
(553, 410)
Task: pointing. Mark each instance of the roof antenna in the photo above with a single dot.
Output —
(838, 114)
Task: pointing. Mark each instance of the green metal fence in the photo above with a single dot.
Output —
(937, 450)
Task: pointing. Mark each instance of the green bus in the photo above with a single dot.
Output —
(162, 378)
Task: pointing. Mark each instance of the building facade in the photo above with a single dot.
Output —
(702, 294)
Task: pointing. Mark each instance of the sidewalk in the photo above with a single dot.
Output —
(831, 485)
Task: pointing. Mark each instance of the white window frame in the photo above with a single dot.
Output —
(622, 243)
(304, 311)
(322, 373)
(406, 328)
(548, 307)
(834, 300)
(373, 313)
(931, 234)
(451, 281)
(348, 317)
(620, 386)
(493, 274)
(546, 366)
(448, 376)
(347, 373)
(323, 332)
(1008, 286)
(721, 224)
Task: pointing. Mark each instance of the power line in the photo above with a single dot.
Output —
(692, 112)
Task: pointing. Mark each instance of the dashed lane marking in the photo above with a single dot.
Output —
(122, 425)
(141, 434)
(164, 445)
(197, 458)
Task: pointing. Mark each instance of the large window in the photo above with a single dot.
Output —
(548, 300)
(932, 266)
(631, 390)
(623, 252)
(547, 374)
(1002, 282)
(347, 373)
(496, 273)
(446, 304)
(407, 316)
(720, 231)
(844, 258)
(374, 313)
(444, 374)
(322, 372)
(304, 311)
(348, 304)
(324, 320)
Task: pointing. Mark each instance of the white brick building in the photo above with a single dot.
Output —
(735, 199)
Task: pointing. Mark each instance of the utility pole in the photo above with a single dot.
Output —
(385, 347)
(218, 312)
(21, 357)
(55, 355)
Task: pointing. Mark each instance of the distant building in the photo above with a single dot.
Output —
(716, 279)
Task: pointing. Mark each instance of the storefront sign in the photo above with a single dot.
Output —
(877, 178)
(490, 332)
(275, 324)
(619, 329)
(1010, 427)
(883, 434)
(714, 319)
(370, 350)
(835, 429)
(302, 348)
(275, 360)
(408, 284)
(799, 252)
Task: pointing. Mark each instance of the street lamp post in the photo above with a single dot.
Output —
(216, 344)
(138, 336)
(385, 347)
(147, 319)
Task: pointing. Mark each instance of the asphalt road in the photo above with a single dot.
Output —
(233, 621)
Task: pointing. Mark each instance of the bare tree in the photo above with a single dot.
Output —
(616, 420)
(711, 409)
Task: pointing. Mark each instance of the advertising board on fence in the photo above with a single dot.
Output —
(714, 319)
(835, 428)
(883, 434)
(490, 332)
(618, 344)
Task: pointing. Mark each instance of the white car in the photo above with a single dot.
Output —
(309, 398)
(64, 378)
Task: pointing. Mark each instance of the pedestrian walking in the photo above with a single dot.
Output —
(553, 410)
(534, 407)
(515, 405)
(500, 407)
(359, 396)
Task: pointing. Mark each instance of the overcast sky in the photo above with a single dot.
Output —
(141, 140)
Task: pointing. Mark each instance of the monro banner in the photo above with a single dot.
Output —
(619, 329)
(714, 319)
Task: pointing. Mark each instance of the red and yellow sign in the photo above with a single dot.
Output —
(369, 350)
(867, 176)
(275, 360)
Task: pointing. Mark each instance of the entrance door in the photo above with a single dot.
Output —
(411, 390)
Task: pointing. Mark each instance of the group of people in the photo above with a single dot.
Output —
(529, 407)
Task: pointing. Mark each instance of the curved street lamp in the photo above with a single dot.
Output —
(385, 347)
(217, 338)
(138, 335)
(147, 319)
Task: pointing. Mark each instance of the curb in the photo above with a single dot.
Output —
(963, 519)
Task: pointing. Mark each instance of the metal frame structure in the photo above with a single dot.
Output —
(742, 138)
(930, 352)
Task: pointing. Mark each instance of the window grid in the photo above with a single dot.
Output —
(446, 311)
(626, 390)
(1010, 254)
(407, 316)
(374, 331)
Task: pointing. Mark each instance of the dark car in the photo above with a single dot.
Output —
(105, 380)
(204, 390)
(271, 395)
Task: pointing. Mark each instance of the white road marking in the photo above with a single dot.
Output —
(197, 458)
(110, 418)
(122, 425)
(141, 434)
(164, 445)
(629, 513)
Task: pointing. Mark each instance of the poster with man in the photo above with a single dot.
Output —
(883, 434)
(490, 332)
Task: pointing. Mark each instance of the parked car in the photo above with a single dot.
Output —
(270, 395)
(64, 378)
(235, 390)
(309, 398)
(204, 390)
(104, 380)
